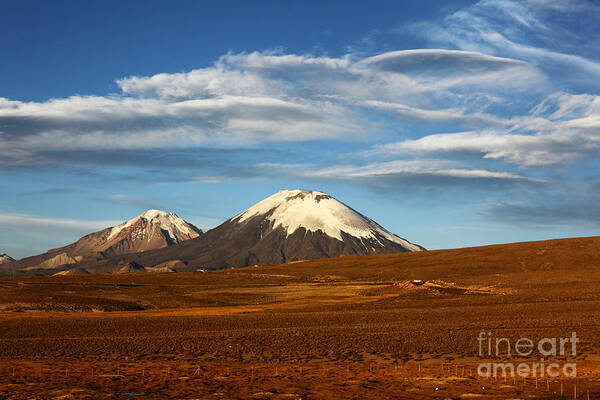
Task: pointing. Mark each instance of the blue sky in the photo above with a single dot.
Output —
(456, 125)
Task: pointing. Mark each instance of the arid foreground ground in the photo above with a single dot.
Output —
(327, 329)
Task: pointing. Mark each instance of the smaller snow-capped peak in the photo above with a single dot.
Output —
(317, 211)
(151, 214)
(168, 220)
(5, 258)
(175, 227)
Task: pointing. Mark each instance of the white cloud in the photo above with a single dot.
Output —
(450, 114)
(255, 98)
(261, 97)
(519, 149)
(415, 168)
(93, 123)
(208, 82)
(536, 31)
(562, 128)
(26, 221)
(541, 55)
(439, 68)
(208, 179)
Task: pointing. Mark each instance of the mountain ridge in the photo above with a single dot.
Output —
(290, 225)
(149, 230)
(266, 233)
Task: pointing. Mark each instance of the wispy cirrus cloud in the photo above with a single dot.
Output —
(540, 215)
(28, 234)
(436, 115)
(140, 203)
(86, 123)
(249, 99)
(528, 150)
(533, 30)
(399, 168)
(573, 203)
(25, 221)
(436, 69)
(562, 128)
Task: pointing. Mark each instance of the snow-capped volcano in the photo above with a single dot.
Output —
(146, 225)
(151, 230)
(5, 259)
(288, 226)
(316, 211)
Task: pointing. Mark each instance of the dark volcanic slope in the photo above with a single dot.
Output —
(245, 246)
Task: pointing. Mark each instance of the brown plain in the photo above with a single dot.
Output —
(350, 327)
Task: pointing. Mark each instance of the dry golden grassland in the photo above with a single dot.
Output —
(351, 327)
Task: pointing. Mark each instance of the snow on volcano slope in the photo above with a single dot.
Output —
(288, 226)
(5, 259)
(317, 211)
(151, 230)
(177, 229)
